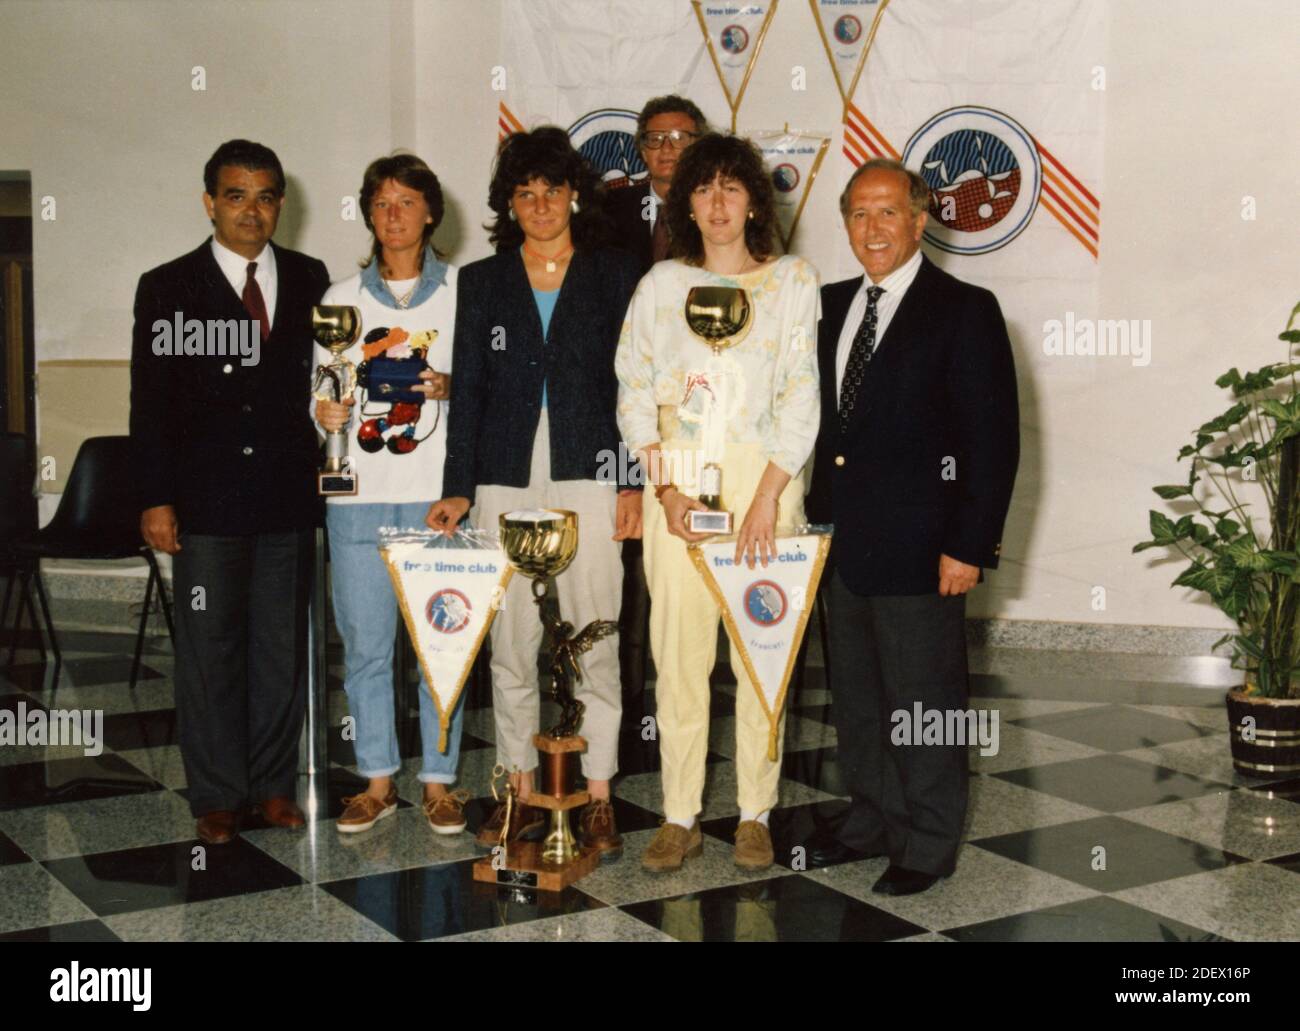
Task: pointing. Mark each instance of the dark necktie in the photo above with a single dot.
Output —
(659, 238)
(864, 343)
(254, 304)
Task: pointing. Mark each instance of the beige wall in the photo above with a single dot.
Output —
(1199, 110)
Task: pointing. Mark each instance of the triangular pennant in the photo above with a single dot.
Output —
(449, 589)
(766, 610)
(734, 33)
(793, 158)
(846, 28)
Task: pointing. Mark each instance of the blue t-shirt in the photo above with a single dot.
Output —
(545, 308)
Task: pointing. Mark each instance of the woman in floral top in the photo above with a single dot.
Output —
(754, 411)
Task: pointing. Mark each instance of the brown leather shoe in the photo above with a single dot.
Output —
(527, 823)
(672, 845)
(282, 812)
(217, 828)
(753, 845)
(596, 830)
(363, 811)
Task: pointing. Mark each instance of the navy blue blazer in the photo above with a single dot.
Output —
(230, 446)
(499, 361)
(929, 458)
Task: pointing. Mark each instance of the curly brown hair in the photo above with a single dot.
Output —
(731, 157)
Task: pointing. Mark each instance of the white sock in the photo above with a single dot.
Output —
(749, 814)
(688, 824)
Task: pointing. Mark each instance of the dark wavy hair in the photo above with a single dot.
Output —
(242, 154)
(414, 174)
(732, 157)
(546, 154)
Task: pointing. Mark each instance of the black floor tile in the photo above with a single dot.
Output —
(70, 780)
(152, 728)
(1284, 789)
(164, 875)
(19, 707)
(791, 829)
(81, 931)
(1114, 728)
(1112, 783)
(87, 671)
(1133, 855)
(1096, 919)
(791, 908)
(437, 901)
(1291, 862)
(817, 767)
(10, 853)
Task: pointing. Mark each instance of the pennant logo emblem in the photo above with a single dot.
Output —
(448, 611)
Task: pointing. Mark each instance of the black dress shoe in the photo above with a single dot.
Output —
(830, 851)
(898, 880)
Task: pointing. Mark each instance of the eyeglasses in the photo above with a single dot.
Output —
(680, 138)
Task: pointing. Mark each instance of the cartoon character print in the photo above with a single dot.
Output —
(394, 429)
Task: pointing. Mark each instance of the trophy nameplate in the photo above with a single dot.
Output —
(336, 328)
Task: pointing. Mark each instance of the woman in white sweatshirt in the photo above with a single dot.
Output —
(407, 299)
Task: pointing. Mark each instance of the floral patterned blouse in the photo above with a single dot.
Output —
(663, 368)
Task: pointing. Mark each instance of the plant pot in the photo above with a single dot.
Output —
(1276, 731)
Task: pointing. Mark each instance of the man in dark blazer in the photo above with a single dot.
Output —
(914, 467)
(225, 458)
(665, 127)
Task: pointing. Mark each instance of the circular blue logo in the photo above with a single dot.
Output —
(765, 603)
(785, 177)
(607, 139)
(984, 174)
(847, 29)
(734, 39)
(448, 611)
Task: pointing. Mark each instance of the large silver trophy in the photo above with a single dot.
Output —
(721, 316)
(336, 328)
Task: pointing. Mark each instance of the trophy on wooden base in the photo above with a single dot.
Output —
(721, 316)
(541, 545)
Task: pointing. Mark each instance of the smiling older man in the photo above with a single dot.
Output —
(915, 462)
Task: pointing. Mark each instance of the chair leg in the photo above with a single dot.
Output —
(9, 590)
(49, 623)
(139, 634)
(163, 601)
(25, 602)
(20, 575)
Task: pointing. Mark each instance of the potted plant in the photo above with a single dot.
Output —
(1247, 564)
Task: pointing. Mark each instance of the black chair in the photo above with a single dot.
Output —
(98, 518)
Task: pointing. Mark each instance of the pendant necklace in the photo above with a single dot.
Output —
(549, 262)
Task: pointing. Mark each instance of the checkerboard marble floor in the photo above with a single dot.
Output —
(1110, 812)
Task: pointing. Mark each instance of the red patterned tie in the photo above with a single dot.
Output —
(659, 238)
(254, 304)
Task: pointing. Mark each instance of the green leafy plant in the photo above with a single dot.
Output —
(1249, 567)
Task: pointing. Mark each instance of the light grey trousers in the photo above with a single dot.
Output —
(591, 588)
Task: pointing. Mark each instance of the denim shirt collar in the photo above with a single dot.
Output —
(432, 276)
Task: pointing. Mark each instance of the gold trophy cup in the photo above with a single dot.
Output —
(721, 316)
(336, 328)
(541, 545)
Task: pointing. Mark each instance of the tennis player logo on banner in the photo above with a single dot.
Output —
(449, 589)
(766, 609)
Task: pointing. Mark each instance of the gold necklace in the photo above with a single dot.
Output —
(405, 300)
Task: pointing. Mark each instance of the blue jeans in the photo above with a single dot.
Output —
(365, 611)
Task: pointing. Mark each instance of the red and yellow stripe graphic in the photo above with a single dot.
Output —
(507, 123)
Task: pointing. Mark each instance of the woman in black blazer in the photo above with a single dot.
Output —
(531, 426)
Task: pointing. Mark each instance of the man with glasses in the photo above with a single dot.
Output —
(665, 127)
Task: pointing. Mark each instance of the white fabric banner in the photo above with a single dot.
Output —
(793, 158)
(845, 27)
(766, 610)
(999, 106)
(448, 589)
(734, 33)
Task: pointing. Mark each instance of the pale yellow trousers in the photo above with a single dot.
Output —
(684, 635)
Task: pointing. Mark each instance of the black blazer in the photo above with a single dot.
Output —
(942, 386)
(231, 446)
(499, 360)
(625, 207)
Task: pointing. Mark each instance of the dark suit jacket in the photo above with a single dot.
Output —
(231, 446)
(499, 360)
(942, 385)
(631, 230)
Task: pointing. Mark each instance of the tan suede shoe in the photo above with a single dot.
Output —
(363, 811)
(672, 845)
(753, 846)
